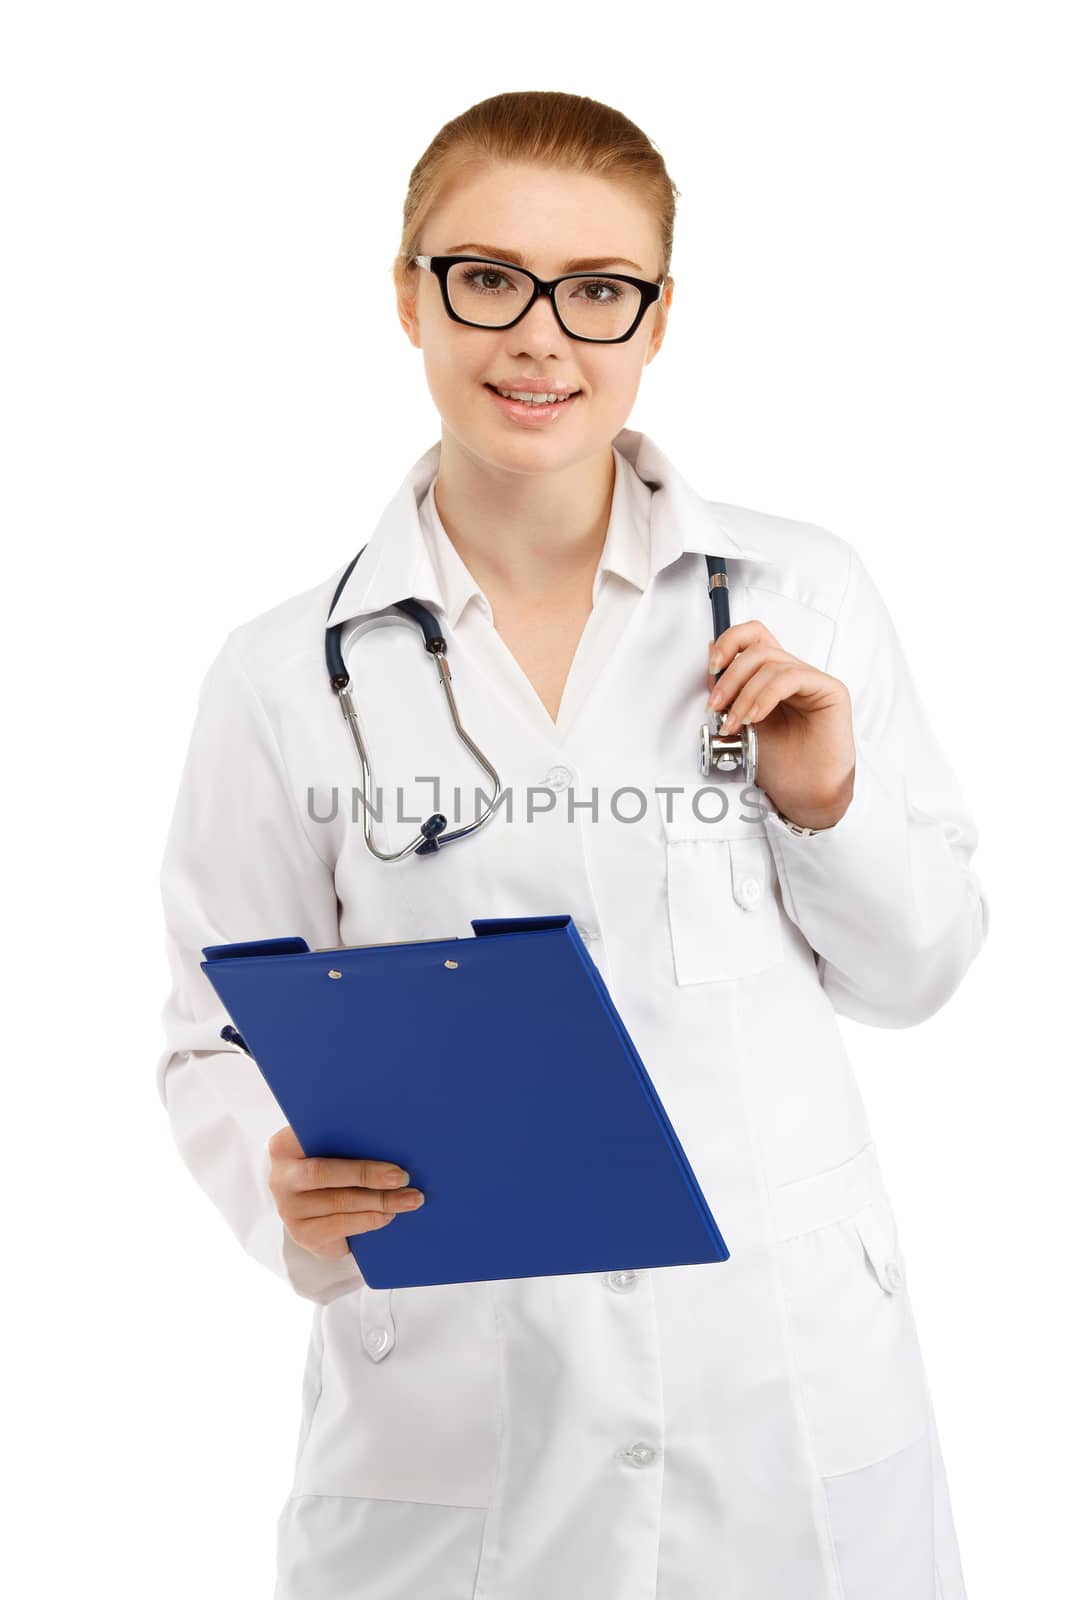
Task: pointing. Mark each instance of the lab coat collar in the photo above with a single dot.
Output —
(396, 564)
(626, 544)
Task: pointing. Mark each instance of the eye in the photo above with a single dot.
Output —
(612, 291)
(469, 274)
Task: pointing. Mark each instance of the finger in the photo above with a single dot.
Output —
(768, 687)
(321, 1231)
(739, 636)
(342, 1172)
(284, 1145)
(726, 685)
(325, 1202)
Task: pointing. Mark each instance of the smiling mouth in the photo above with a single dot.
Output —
(533, 404)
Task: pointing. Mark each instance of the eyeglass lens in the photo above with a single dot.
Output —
(593, 307)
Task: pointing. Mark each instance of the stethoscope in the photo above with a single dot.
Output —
(719, 752)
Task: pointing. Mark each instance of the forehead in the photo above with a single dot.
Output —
(543, 218)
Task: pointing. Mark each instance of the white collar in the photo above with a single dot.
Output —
(626, 543)
(396, 563)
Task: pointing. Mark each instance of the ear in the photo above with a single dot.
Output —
(406, 282)
(659, 331)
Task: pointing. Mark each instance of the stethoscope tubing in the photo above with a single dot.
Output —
(432, 835)
(740, 749)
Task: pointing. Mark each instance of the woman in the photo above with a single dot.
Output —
(756, 1428)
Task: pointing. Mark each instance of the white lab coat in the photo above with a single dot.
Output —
(756, 1429)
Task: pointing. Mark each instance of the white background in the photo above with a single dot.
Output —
(207, 400)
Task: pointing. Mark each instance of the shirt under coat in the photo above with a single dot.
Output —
(754, 1429)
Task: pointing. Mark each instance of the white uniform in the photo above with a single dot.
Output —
(755, 1429)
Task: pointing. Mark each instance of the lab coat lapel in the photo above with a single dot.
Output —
(395, 565)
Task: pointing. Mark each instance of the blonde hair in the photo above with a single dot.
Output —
(566, 131)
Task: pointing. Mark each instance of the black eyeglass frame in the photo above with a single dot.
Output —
(439, 265)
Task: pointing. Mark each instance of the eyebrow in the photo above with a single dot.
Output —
(581, 264)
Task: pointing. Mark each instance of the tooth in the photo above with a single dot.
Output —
(535, 399)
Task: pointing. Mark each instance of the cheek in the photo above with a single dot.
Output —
(612, 394)
(615, 373)
(450, 377)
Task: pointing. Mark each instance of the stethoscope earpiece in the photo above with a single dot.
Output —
(431, 828)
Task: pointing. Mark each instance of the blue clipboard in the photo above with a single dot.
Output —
(497, 1071)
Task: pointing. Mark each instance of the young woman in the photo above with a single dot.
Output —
(759, 1428)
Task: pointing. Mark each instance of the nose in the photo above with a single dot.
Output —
(538, 329)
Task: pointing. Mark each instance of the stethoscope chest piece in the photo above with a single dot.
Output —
(728, 752)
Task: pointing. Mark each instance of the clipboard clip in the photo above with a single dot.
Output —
(230, 1034)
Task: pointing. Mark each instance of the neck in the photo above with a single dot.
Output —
(525, 536)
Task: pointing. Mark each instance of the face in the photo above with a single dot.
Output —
(549, 218)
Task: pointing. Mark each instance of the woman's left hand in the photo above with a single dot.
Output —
(806, 755)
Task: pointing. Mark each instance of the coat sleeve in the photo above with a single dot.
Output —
(886, 897)
(237, 864)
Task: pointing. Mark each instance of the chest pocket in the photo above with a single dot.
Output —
(722, 887)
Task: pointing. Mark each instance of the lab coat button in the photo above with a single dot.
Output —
(750, 891)
(639, 1454)
(559, 777)
(585, 933)
(893, 1274)
(377, 1340)
(621, 1280)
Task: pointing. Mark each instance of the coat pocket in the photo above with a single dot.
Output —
(722, 888)
(855, 1346)
(409, 1401)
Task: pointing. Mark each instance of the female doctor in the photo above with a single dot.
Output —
(757, 1429)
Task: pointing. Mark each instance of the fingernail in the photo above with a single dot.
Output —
(398, 1176)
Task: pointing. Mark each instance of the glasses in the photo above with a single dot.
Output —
(602, 308)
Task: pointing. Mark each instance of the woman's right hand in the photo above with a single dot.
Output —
(323, 1199)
